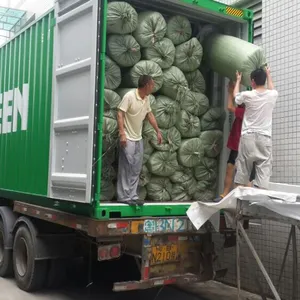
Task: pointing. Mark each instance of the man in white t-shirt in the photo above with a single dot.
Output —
(256, 139)
(133, 110)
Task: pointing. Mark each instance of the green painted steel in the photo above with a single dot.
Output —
(26, 74)
(24, 156)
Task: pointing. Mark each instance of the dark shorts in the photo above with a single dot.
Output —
(232, 158)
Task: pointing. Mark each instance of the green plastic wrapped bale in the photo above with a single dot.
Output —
(213, 119)
(122, 18)
(123, 49)
(145, 176)
(212, 142)
(107, 191)
(184, 177)
(174, 83)
(195, 103)
(144, 67)
(188, 125)
(179, 193)
(166, 112)
(159, 189)
(148, 150)
(142, 193)
(162, 52)
(188, 56)
(109, 156)
(179, 29)
(108, 172)
(111, 100)
(171, 140)
(191, 152)
(207, 170)
(162, 163)
(151, 28)
(196, 81)
(226, 54)
(203, 195)
(110, 133)
(113, 76)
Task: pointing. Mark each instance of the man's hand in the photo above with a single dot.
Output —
(123, 140)
(238, 76)
(268, 71)
(231, 85)
(159, 138)
(269, 79)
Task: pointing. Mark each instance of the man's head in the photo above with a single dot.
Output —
(146, 84)
(258, 78)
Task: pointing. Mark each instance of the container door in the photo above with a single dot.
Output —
(74, 100)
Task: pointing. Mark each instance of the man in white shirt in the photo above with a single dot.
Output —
(133, 110)
(256, 139)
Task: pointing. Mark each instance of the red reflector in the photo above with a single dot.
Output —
(170, 281)
(173, 238)
(103, 253)
(115, 251)
(122, 225)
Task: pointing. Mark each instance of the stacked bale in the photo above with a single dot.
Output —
(184, 167)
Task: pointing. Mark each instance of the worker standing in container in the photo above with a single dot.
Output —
(233, 142)
(132, 111)
(256, 139)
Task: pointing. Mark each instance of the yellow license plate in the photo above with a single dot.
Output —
(164, 253)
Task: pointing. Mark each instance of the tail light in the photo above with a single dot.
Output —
(108, 252)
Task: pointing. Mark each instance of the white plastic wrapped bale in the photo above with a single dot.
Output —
(188, 125)
(162, 53)
(108, 172)
(151, 28)
(159, 189)
(213, 119)
(207, 170)
(171, 140)
(203, 194)
(166, 112)
(142, 193)
(123, 49)
(179, 29)
(113, 76)
(212, 142)
(195, 103)
(188, 56)
(226, 54)
(191, 152)
(122, 18)
(163, 163)
(196, 81)
(144, 67)
(109, 156)
(174, 83)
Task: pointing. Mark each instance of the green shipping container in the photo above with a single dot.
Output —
(51, 105)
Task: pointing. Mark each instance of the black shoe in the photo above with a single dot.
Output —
(129, 202)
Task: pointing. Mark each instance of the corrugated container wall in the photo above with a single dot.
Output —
(25, 108)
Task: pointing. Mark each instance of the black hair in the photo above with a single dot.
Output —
(144, 80)
(259, 76)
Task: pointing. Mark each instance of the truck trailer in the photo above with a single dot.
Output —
(51, 118)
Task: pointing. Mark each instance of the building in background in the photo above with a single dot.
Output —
(15, 14)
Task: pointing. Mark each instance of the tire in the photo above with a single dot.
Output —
(30, 274)
(57, 273)
(6, 265)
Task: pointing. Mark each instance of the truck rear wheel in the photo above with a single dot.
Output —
(6, 268)
(30, 274)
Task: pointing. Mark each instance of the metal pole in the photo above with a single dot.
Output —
(238, 268)
(259, 262)
(285, 257)
(295, 264)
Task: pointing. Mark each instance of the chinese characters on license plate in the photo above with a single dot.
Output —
(164, 253)
(165, 225)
